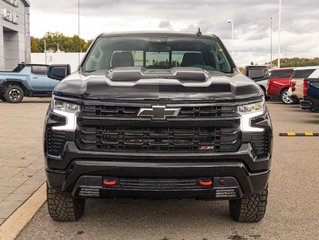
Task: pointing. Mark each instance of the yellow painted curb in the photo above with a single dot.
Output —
(11, 228)
(309, 133)
(291, 134)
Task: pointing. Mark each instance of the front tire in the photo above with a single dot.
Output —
(63, 207)
(249, 209)
(14, 94)
(285, 98)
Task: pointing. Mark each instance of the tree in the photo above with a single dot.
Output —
(297, 62)
(35, 45)
(58, 42)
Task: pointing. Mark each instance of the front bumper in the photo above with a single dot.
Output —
(86, 170)
(85, 179)
(306, 104)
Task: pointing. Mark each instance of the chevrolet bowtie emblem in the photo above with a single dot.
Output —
(158, 112)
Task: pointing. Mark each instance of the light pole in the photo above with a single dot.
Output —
(79, 30)
(231, 21)
(45, 52)
(271, 41)
(279, 32)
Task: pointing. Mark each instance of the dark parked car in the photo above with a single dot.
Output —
(311, 92)
(157, 115)
(296, 90)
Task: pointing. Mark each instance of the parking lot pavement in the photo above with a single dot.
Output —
(292, 211)
(21, 157)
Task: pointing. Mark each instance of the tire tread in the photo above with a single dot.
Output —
(250, 209)
(63, 207)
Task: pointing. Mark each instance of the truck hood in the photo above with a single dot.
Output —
(173, 84)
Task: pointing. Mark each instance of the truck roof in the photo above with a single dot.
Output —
(155, 34)
(307, 68)
(32, 64)
(281, 69)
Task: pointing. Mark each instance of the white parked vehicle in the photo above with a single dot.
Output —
(297, 81)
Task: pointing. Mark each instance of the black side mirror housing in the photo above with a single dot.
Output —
(59, 72)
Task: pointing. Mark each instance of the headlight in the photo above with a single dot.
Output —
(251, 108)
(63, 106)
(248, 112)
(68, 110)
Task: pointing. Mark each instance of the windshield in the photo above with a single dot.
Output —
(303, 73)
(281, 73)
(157, 53)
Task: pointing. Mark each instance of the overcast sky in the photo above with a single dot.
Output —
(300, 22)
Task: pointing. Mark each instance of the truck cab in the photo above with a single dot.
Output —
(279, 83)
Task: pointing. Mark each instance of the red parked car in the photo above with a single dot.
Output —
(279, 83)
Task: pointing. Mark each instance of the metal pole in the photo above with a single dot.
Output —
(45, 52)
(232, 33)
(271, 41)
(79, 31)
(279, 32)
(231, 21)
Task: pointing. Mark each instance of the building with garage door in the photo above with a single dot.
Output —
(14, 33)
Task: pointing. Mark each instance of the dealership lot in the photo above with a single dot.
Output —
(292, 211)
(21, 155)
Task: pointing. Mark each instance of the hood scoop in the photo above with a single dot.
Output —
(133, 74)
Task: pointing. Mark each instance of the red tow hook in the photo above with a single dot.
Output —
(110, 182)
(205, 182)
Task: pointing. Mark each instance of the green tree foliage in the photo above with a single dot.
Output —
(57, 41)
(35, 47)
(297, 62)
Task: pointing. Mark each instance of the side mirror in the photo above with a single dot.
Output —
(59, 72)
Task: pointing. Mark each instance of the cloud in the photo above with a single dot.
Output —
(251, 21)
(164, 24)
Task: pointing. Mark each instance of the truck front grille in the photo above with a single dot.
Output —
(161, 139)
(55, 142)
(131, 112)
(160, 184)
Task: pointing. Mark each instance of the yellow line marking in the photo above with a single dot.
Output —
(309, 134)
(291, 134)
(11, 228)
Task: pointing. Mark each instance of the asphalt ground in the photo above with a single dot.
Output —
(292, 211)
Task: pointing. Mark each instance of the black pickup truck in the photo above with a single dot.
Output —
(157, 115)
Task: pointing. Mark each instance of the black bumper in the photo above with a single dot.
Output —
(310, 103)
(87, 171)
(306, 104)
(88, 175)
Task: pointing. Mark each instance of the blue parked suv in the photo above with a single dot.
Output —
(29, 80)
